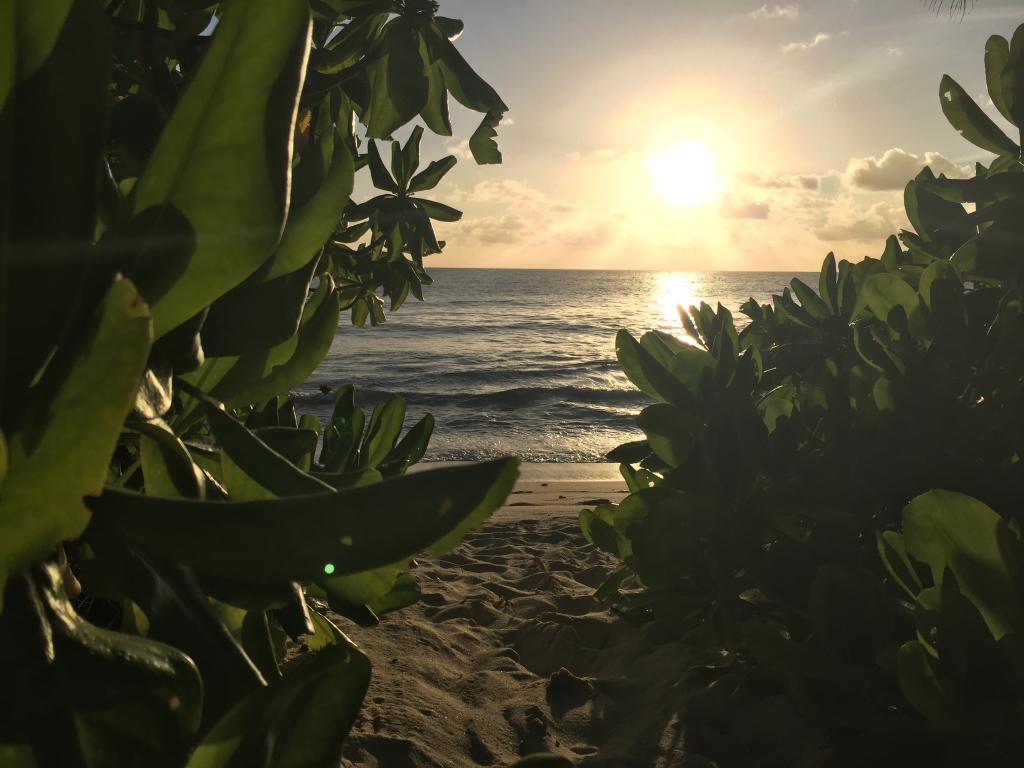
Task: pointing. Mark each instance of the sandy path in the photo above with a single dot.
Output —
(508, 653)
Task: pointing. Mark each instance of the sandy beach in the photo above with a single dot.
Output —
(508, 653)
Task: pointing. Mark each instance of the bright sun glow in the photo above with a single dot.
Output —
(685, 175)
(675, 290)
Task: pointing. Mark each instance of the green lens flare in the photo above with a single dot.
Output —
(329, 569)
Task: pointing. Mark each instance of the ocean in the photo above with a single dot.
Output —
(522, 362)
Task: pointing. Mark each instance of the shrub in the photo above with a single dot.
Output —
(176, 245)
(777, 453)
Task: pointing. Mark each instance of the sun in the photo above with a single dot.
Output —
(685, 175)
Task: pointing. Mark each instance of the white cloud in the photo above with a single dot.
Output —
(895, 168)
(775, 12)
(459, 148)
(875, 224)
(603, 155)
(806, 45)
(746, 210)
(808, 181)
(525, 216)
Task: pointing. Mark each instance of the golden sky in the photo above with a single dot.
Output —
(682, 135)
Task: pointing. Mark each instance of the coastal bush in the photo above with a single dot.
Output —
(782, 513)
(177, 242)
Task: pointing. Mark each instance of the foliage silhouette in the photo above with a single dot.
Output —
(175, 225)
(779, 457)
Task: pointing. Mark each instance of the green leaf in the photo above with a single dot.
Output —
(258, 377)
(398, 83)
(437, 211)
(942, 529)
(971, 121)
(482, 144)
(378, 171)
(249, 460)
(296, 445)
(256, 316)
(1013, 78)
(293, 539)
(410, 449)
(344, 432)
(921, 687)
(349, 45)
(299, 720)
(646, 373)
(828, 283)
(435, 112)
(431, 176)
(360, 588)
(403, 593)
(342, 481)
(468, 88)
(177, 611)
(406, 160)
(258, 643)
(997, 60)
(893, 552)
(325, 632)
(809, 300)
(883, 291)
(311, 225)
(671, 432)
(123, 698)
(167, 467)
(224, 157)
(52, 134)
(60, 451)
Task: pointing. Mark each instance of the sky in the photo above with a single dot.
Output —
(703, 135)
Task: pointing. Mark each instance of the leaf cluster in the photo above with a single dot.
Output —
(176, 175)
(777, 455)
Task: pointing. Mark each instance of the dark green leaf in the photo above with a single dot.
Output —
(971, 121)
(224, 157)
(69, 431)
(430, 176)
(671, 432)
(379, 172)
(942, 529)
(300, 720)
(482, 144)
(294, 539)
(398, 83)
(167, 467)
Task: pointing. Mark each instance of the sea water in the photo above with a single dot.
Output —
(522, 362)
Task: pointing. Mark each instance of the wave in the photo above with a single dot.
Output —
(506, 399)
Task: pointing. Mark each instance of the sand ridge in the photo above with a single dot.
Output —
(508, 652)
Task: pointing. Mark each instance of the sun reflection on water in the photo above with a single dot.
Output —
(674, 290)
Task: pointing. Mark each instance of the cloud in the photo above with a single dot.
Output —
(747, 210)
(895, 168)
(806, 45)
(459, 148)
(775, 12)
(806, 181)
(525, 216)
(603, 155)
(877, 223)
